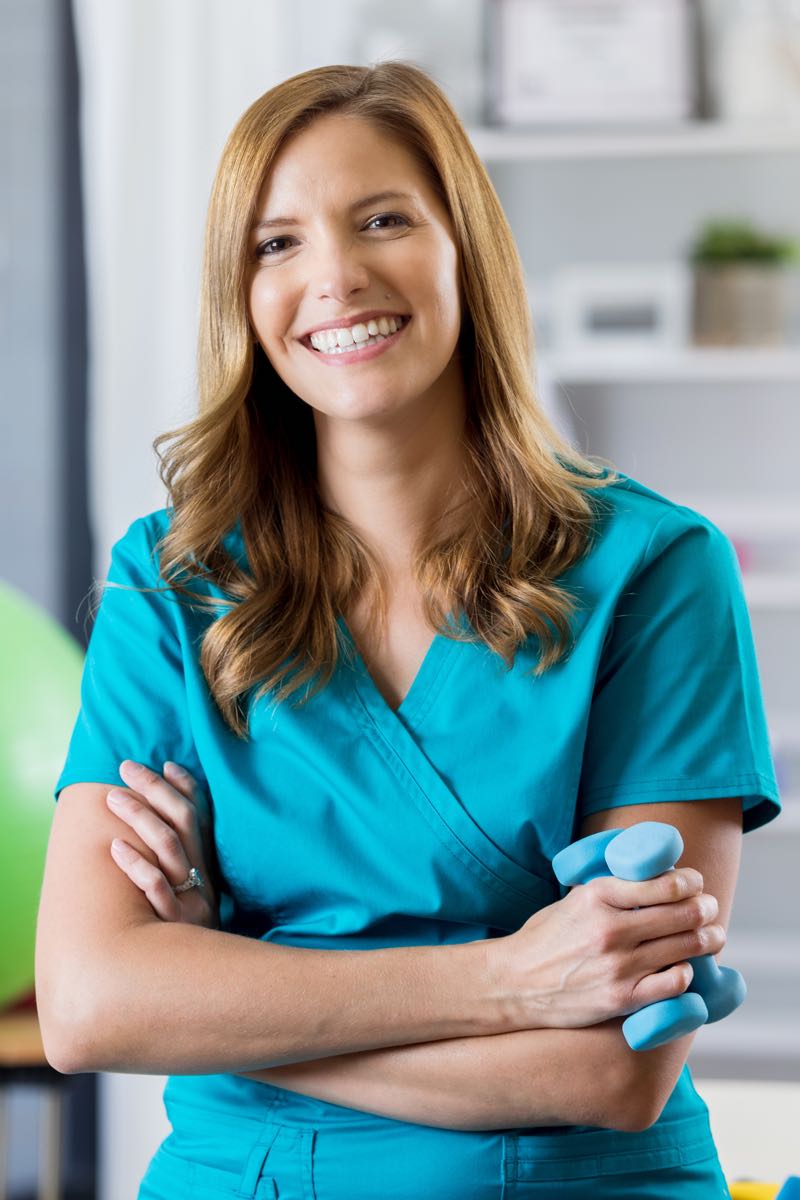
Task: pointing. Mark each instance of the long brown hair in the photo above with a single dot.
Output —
(249, 456)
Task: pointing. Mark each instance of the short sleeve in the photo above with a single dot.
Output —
(133, 693)
(677, 711)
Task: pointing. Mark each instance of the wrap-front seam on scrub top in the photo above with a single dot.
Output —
(344, 825)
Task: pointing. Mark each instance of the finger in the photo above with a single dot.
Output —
(664, 889)
(148, 879)
(176, 808)
(154, 832)
(180, 779)
(652, 956)
(662, 985)
(187, 785)
(664, 920)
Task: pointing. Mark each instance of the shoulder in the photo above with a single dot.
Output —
(138, 549)
(638, 525)
(146, 530)
(137, 545)
(150, 528)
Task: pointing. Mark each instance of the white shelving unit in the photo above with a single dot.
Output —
(748, 1040)
(762, 1039)
(688, 365)
(772, 590)
(757, 518)
(785, 730)
(496, 145)
(789, 822)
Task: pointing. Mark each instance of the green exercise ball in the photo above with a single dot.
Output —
(39, 699)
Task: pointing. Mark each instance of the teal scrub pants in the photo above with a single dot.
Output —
(357, 1156)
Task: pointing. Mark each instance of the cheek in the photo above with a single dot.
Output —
(267, 307)
(448, 306)
(443, 271)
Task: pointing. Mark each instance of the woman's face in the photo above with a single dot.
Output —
(333, 251)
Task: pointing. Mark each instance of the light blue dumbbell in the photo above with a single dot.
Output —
(641, 852)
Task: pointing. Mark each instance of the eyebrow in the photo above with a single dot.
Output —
(376, 198)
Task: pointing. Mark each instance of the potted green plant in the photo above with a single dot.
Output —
(739, 278)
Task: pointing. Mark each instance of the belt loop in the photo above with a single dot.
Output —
(255, 1163)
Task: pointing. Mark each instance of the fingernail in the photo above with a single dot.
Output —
(116, 798)
(119, 847)
(176, 768)
(131, 765)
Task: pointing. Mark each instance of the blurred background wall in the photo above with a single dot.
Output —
(614, 134)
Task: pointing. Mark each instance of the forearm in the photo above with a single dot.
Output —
(523, 1078)
(176, 998)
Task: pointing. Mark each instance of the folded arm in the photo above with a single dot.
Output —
(119, 989)
(535, 1077)
(525, 1078)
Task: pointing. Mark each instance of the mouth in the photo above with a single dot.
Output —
(358, 353)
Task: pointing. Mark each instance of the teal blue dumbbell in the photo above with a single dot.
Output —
(641, 852)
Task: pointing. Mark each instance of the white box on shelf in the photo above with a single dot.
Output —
(621, 308)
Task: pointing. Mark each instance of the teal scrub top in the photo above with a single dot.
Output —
(342, 824)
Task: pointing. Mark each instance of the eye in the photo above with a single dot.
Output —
(261, 251)
(388, 217)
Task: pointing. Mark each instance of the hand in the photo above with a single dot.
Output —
(601, 951)
(172, 815)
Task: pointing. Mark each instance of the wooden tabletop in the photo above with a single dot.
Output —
(21, 1040)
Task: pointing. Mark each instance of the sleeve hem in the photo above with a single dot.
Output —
(668, 785)
(760, 799)
(94, 773)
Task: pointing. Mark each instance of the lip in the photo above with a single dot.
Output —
(353, 319)
(356, 356)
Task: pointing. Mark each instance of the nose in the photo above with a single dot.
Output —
(339, 272)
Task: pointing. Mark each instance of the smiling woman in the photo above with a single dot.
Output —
(510, 645)
(340, 263)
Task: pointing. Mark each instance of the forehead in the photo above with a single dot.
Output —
(335, 160)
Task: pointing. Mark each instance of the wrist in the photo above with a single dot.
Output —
(497, 1004)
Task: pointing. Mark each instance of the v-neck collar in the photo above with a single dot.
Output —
(424, 686)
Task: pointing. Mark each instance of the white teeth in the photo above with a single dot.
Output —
(327, 340)
(371, 341)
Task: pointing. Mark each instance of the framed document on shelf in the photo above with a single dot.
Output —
(558, 62)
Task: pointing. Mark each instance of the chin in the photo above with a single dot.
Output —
(358, 407)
